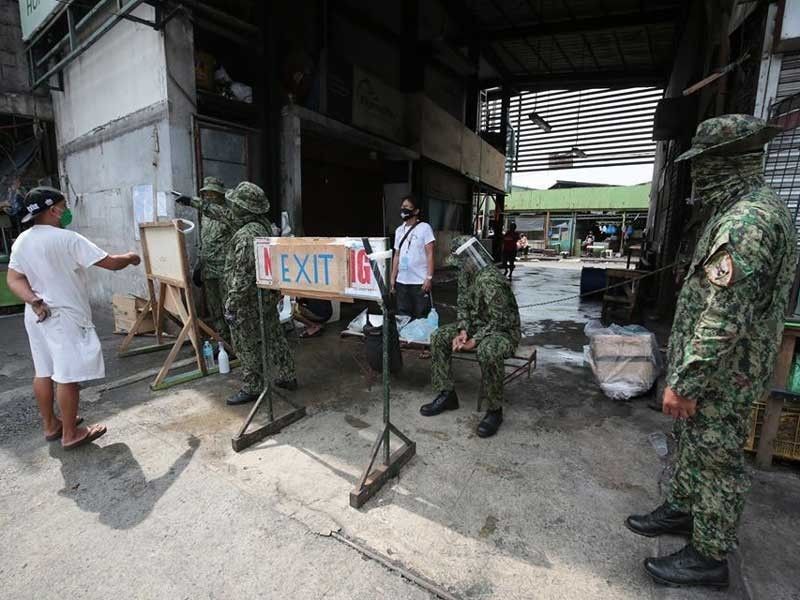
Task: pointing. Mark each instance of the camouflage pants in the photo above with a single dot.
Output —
(710, 478)
(247, 343)
(491, 352)
(215, 301)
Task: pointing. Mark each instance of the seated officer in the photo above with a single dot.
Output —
(488, 323)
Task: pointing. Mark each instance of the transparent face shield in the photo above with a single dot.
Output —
(472, 256)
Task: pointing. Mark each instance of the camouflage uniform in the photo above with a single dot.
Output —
(248, 208)
(488, 312)
(727, 328)
(214, 236)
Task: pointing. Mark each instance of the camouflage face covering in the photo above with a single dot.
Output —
(718, 178)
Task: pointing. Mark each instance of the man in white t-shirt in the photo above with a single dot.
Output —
(412, 265)
(47, 271)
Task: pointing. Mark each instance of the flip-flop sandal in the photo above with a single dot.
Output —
(95, 431)
(317, 333)
(57, 435)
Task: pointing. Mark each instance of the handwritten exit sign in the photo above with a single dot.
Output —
(321, 267)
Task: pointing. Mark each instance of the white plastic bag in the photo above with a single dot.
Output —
(357, 324)
(624, 360)
(418, 330)
(242, 92)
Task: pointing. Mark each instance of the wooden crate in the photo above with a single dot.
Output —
(126, 309)
(787, 442)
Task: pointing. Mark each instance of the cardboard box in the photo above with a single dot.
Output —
(624, 358)
(126, 310)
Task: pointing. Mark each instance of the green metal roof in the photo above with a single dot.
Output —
(632, 197)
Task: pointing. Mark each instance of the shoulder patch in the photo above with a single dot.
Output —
(721, 269)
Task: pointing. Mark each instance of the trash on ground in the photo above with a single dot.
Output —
(658, 439)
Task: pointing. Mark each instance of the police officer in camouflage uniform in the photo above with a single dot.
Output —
(214, 237)
(488, 323)
(725, 336)
(246, 217)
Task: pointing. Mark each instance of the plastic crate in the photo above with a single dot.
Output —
(787, 442)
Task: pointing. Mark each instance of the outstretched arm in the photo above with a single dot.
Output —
(117, 262)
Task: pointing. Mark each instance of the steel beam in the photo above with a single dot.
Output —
(605, 23)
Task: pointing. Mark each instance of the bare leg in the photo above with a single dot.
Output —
(67, 395)
(311, 326)
(43, 390)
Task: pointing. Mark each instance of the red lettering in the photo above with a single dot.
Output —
(364, 271)
(267, 262)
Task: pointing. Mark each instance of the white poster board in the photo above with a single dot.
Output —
(163, 247)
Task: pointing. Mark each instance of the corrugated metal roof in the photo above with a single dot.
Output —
(633, 197)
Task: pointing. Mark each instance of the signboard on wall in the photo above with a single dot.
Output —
(318, 267)
(377, 107)
(34, 13)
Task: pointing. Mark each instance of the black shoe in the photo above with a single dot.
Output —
(663, 520)
(287, 384)
(446, 400)
(490, 423)
(241, 397)
(687, 567)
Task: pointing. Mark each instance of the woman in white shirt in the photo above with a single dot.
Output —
(412, 265)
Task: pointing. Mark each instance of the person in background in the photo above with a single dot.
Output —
(588, 242)
(215, 234)
(488, 324)
(313, 314)
(722, 349)
(47, 271)
(522, 245)
(412, 264)
(510, 241)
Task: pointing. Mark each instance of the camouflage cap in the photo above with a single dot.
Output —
(248, 197)
(213, 184)
(730, 134)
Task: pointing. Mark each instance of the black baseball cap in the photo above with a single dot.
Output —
(39, 199)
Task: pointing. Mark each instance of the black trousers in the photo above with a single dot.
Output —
(508, 260)
(412, 301)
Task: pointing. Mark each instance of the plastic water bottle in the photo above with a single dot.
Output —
(433, 319)
(208, 354)
(224, 361)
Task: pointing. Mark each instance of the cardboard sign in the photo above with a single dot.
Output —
(327, 267)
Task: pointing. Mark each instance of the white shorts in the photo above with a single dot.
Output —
(63, 350)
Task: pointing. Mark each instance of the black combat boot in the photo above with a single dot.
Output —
(663, 520)
(490, 423)
(446, 400)
(241, 397)
(687, 567)
(287, 384)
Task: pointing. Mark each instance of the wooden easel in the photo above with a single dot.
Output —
(166, 264)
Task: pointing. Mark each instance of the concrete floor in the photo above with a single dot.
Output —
(162, 508)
